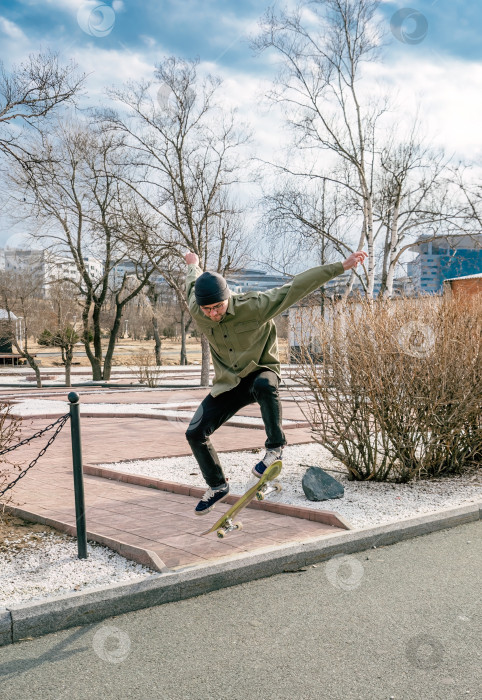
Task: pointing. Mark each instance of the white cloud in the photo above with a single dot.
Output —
(445, 90)
(110, 67)
(11, 29)
(149, 41)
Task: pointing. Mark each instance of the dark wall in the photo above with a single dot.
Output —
(5, 341)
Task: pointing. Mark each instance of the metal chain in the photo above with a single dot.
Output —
(61, 422)
(39, 433)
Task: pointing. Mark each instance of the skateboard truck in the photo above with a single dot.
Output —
(267, 489)
(229, 526)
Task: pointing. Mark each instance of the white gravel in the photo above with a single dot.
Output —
(364, 504)
(47, 565)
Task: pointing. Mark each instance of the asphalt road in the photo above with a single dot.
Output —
(400, 622)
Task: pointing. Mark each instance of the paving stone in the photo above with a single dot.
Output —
(131, 513)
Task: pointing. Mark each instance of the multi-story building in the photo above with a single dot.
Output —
(251, 280)
(37, 262)
(443, 259)
(49, 266)
(65, 268)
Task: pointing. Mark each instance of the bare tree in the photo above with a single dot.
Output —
(30, 93)
(392, 181)
(73, 188)
(321, 64)
(61, 311)
(21, 295)
(410, 196)
(154, 295)
(469, 188)
(185, 150)
(175, 276)
(302, 219)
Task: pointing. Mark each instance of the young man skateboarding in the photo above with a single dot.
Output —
(244, 350)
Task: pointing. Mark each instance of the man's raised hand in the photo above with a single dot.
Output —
(191, 259)
(355, 258)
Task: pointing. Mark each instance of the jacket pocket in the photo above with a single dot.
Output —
(246, 326)
(244, 332)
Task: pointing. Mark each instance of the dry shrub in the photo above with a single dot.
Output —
(147, 371)
(398, 393)
(9, 434)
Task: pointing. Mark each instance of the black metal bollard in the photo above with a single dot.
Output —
(78, 476)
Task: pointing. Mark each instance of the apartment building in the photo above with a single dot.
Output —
(440, 260)
(49, 266)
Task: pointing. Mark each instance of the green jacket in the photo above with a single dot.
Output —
(245, 339)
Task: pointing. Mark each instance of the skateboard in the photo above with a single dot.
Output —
(259, 491)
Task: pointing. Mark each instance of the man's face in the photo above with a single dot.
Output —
(215, 311)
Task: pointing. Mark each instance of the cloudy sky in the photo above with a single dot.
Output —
(432, 61)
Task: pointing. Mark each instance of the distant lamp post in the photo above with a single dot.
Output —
(125, 328)
(19, 331)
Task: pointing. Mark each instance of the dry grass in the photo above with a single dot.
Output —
(16, 533)
(127, 350)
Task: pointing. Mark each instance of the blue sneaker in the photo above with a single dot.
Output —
(270, 457)
(210, 498)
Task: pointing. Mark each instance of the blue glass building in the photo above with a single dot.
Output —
(438, 260)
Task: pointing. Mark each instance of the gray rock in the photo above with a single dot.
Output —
(320, 486)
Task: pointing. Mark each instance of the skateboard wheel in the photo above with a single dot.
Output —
(239, 525)
(278, 487)
(220, 533)
(260, 496)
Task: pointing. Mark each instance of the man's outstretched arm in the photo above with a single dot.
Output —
(192, 274)
(277, 300)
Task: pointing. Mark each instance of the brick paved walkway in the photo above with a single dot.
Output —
(139, 522)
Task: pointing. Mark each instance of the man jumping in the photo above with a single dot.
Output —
(244, 350)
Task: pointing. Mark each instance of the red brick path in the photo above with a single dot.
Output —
(127, 516)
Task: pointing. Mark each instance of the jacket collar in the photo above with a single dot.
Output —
(230, 309)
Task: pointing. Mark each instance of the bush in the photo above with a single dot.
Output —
(169, 332)
(46, 338)
(61, 337)
(398, 395)
(147, 371)
(9, 434)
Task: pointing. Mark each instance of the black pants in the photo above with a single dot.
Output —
(261, 387)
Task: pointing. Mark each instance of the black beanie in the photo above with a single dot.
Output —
(210, 288)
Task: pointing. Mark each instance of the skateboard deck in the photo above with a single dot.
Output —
(260, 490)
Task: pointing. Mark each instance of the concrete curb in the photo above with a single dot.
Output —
(18, 622)
(6, 627)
